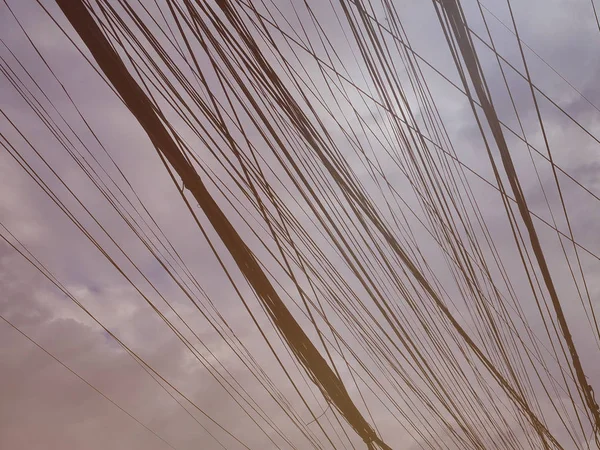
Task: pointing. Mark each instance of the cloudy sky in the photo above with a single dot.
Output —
(75, 387)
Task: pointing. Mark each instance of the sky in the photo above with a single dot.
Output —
(46, 406)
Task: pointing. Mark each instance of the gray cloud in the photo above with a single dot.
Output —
(47, 407)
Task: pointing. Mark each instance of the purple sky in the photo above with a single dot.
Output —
(44, 406)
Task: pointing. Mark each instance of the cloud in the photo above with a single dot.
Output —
(65, 413)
